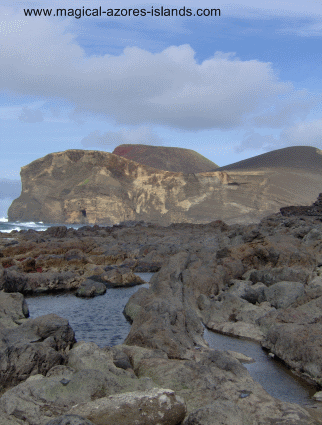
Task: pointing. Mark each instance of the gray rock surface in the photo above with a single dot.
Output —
(223, 412)
(13, 309)
(283, 294)
(213, 273)
(255, 293)
(33, 347)
(90, 288)
(279, 274)
(121, 277)
(154, 407)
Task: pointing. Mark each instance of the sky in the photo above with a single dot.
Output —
(230, 86)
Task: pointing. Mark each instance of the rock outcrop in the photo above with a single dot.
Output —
(154, 407)
(259, 281)
(33, 347)
(78, 186)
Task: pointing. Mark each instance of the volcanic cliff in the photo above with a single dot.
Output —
(78, 186)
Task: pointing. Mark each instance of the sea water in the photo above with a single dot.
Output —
(7, 226)
(99, 319)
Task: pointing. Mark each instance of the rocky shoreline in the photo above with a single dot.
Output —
(259, 281)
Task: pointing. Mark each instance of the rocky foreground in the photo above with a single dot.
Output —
(261, 281)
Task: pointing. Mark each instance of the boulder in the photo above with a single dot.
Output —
(215, 376)
(255, 294)
(121, 277)
(133, 306)
(283, 294)
(223, 412)
(33, 347)
(26, 283)
(154, 407)
(90, 288)
(235, 316)
(90, 374)
(147, 267)
(40, 398)
(278, 274)
(29, 265)
(299, 346)
(318, 396)
(239, 288)
(86, 356)
(294, 335)
(164, 317)
(13, 309)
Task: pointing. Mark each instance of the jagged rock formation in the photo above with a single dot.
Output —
(166, 158)
(260, 281)
(315, 209)
(79, 186)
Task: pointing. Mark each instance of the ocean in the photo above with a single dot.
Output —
(7, 226)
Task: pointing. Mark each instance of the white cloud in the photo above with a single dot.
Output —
(301, 134)
(255, 141)
(39, 58)
(142, 135)
(304, 133)
(286, 109)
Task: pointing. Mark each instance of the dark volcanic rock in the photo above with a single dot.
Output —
(90, 288)
(314, 210)
(33, 347)
(14, 280)
(260, 281)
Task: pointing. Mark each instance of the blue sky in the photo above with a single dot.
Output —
(229, 87)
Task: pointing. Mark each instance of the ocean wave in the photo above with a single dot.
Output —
(3, 220)
(10, 230)
(26, 224)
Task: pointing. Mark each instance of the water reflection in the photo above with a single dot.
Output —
(274, 377)
(99, 319)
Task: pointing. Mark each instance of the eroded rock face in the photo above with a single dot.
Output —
(98, 187)
(13, 309)
(78, 186)
(154, 407)
(33, 347)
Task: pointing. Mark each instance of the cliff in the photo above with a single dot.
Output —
(79, 186)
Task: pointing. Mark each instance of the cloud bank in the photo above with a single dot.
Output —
(38, 57)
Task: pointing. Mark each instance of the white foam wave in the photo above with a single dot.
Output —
(29, 224)
(9, 230)
(3, 220)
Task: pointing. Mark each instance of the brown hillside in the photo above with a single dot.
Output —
(296, 157)
(177, 160)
